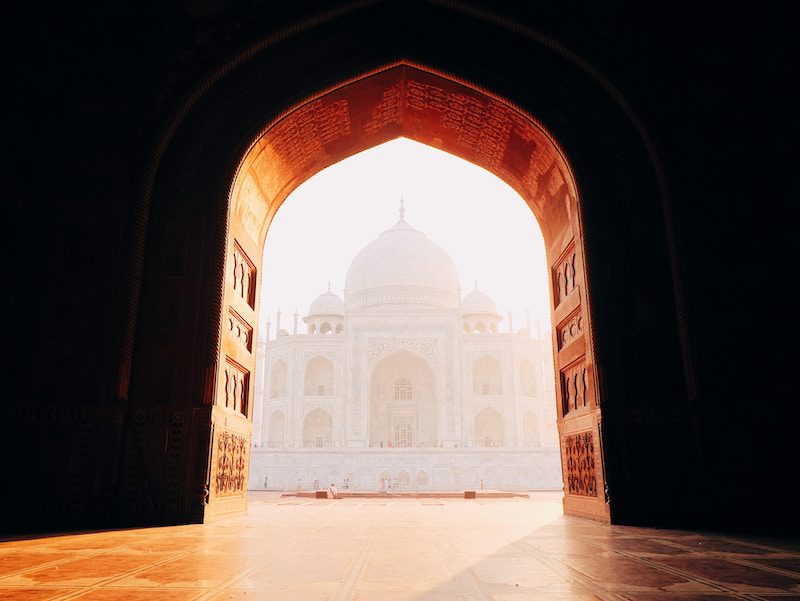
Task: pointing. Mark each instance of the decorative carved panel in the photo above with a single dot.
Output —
(251, 208)
(237, 386)
(244, 276)
(480, 124)
(380, 347)
(570, 329)
(155, 468)
(387, 111)
(574, 386)
(393, 294)
(231, 464)
(240, 331)
(580, 466)
(565, 275)
(300, 139)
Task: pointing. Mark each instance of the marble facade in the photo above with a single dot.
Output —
(404, 382)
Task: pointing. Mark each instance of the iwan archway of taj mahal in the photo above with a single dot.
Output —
(242, 143)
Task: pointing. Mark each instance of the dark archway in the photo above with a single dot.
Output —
(147, 454)
(432, 106)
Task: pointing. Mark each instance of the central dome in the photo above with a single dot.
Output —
(402, 265)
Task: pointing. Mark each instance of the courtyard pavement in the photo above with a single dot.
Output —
(400, 549)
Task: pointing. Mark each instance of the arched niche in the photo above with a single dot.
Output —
(490, 428)
(356, 110)
(487, 376)
(317, 429)
(277, 429)
(318, 379)
(427, 106)
(278, 379)
(403, 405)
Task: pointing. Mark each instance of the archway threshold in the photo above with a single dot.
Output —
(399, 549)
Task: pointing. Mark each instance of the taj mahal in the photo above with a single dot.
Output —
(404, 384)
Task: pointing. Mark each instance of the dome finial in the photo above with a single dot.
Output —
(402, 208)
(476, 285)
(329, 285)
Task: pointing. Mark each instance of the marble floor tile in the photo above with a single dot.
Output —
(399, 550)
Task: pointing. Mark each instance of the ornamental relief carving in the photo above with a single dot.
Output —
(476, 354)
(580, 465)
(574, 386)
(356, 399)
(482, 125)
(301, 136)
(251, 208)
(389, 294)
(565, 275)
(388, 110)
(231, 464)
(304, 408)
(237, 386)
(244, 275)
(308, 355)
(155, 450)
(570, 330)
(380, 347)
(240, 331)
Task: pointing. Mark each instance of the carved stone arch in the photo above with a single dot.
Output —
(412, 419)
(279, 378)
(428, 348)
(318, 376)
(490, 429)
(317, 428)
(403, 479)
(277, 428)
(487, 375)
(547, 184)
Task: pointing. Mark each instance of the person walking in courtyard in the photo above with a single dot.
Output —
(334, 494)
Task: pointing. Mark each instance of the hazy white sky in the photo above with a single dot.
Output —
(483, 224)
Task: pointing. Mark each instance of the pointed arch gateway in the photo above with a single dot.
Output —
(429, 107)
(224, 230)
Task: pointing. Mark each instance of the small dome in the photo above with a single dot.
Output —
(327, 303)
(477, 302)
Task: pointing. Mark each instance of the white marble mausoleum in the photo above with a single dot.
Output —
(404, 383)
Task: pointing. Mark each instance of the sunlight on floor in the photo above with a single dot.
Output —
(392, 549)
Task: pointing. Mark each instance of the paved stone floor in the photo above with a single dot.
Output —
(400, 549)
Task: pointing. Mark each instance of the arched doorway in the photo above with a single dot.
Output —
(431, 105)
(408, 100)
(319, 377)
(489, 428)
(487, 377)
(403, 411)
(317, 429)
(277, 429)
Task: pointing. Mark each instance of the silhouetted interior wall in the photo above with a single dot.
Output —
(95, 95)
